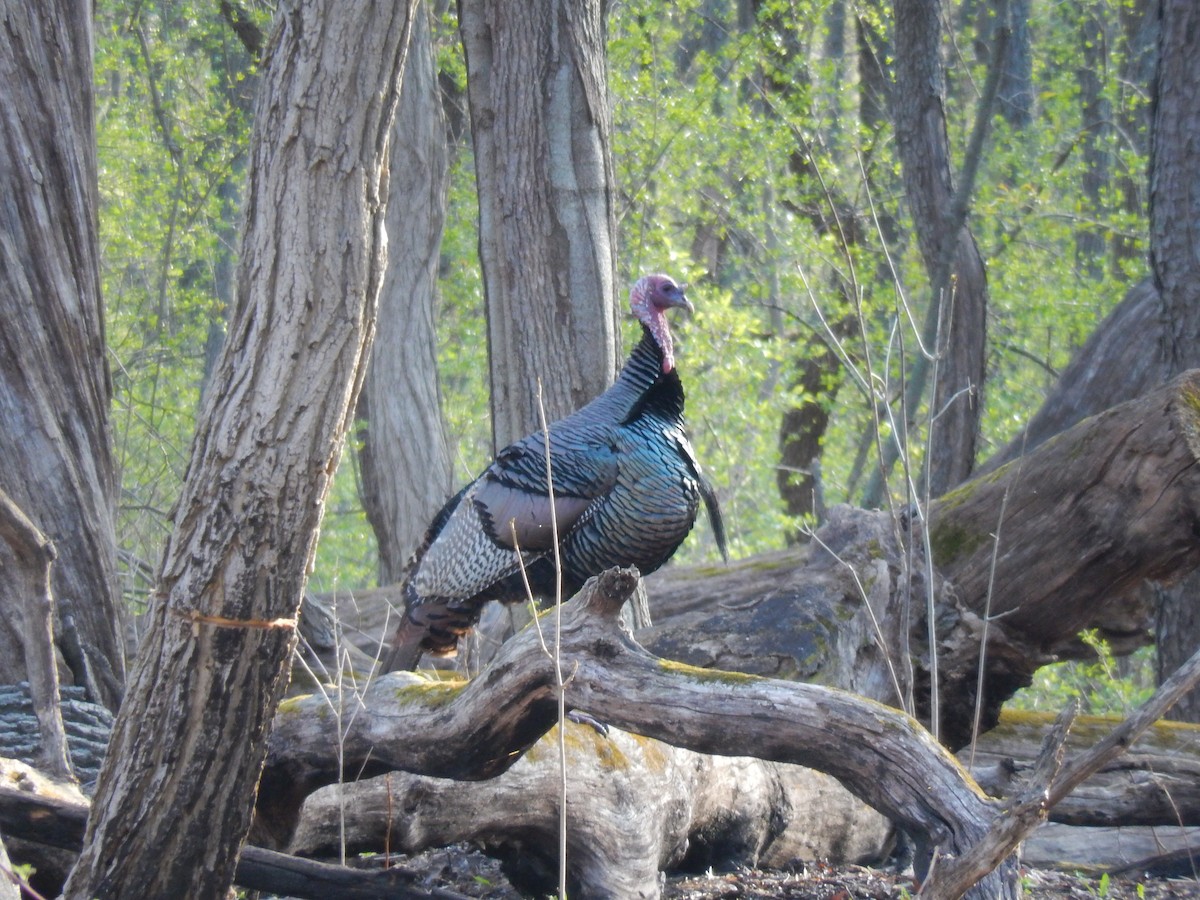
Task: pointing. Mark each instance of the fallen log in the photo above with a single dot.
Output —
(1083, 521)
(56, 820)
(833, 612)
(478, 729)
(1156, 782)
(730, 812)
(1134, 851)
(635, 807)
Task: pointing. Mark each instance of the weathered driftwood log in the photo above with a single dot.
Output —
(635, 807)
(477, 730)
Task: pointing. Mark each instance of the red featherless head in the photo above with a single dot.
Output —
(649, 298)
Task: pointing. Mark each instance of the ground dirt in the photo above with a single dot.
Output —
(471, 873)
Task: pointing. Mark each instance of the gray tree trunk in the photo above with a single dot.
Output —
(1096, 112)
(54, 387)
(1016, 83)
(1174, 237)
(540, 119)
(406, 468)
(176, 795)
(956, 272)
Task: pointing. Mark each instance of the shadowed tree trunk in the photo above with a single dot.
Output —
(537, 85)
(406, 468)
(1096, 112)
(540, 120)
(54, 387)
(1174, 237)
(176, 794)
(1139, 56)
(956, 327)
(1015, 94)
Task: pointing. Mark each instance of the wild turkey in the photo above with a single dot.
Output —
(627, 487)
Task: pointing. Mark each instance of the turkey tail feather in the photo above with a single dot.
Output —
(714, 516)
(431, 627)
(406, 648)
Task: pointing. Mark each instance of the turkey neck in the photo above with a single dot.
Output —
(640, 373)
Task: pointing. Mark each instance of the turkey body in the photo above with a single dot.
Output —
(626, 491)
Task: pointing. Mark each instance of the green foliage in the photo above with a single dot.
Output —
(172, 119)
(1104, 685)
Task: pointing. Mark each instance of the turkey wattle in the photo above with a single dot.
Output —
(627, 487)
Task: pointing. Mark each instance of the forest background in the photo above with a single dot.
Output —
(754, 159)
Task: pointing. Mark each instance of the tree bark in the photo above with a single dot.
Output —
(540, 120)
(1137, 462)
(406, 468)
(1174, 192)
(54, 387)
(176, 794)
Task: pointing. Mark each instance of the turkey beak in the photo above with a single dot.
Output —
(680, 301)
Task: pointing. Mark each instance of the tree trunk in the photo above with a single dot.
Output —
(406, 468)
(1016, 82)
(176, 794)
(540, 119)
(1096, 114)
(1139, 55)
(956, 322)
(54, 387)
(1174, 191)
(1174, 237)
